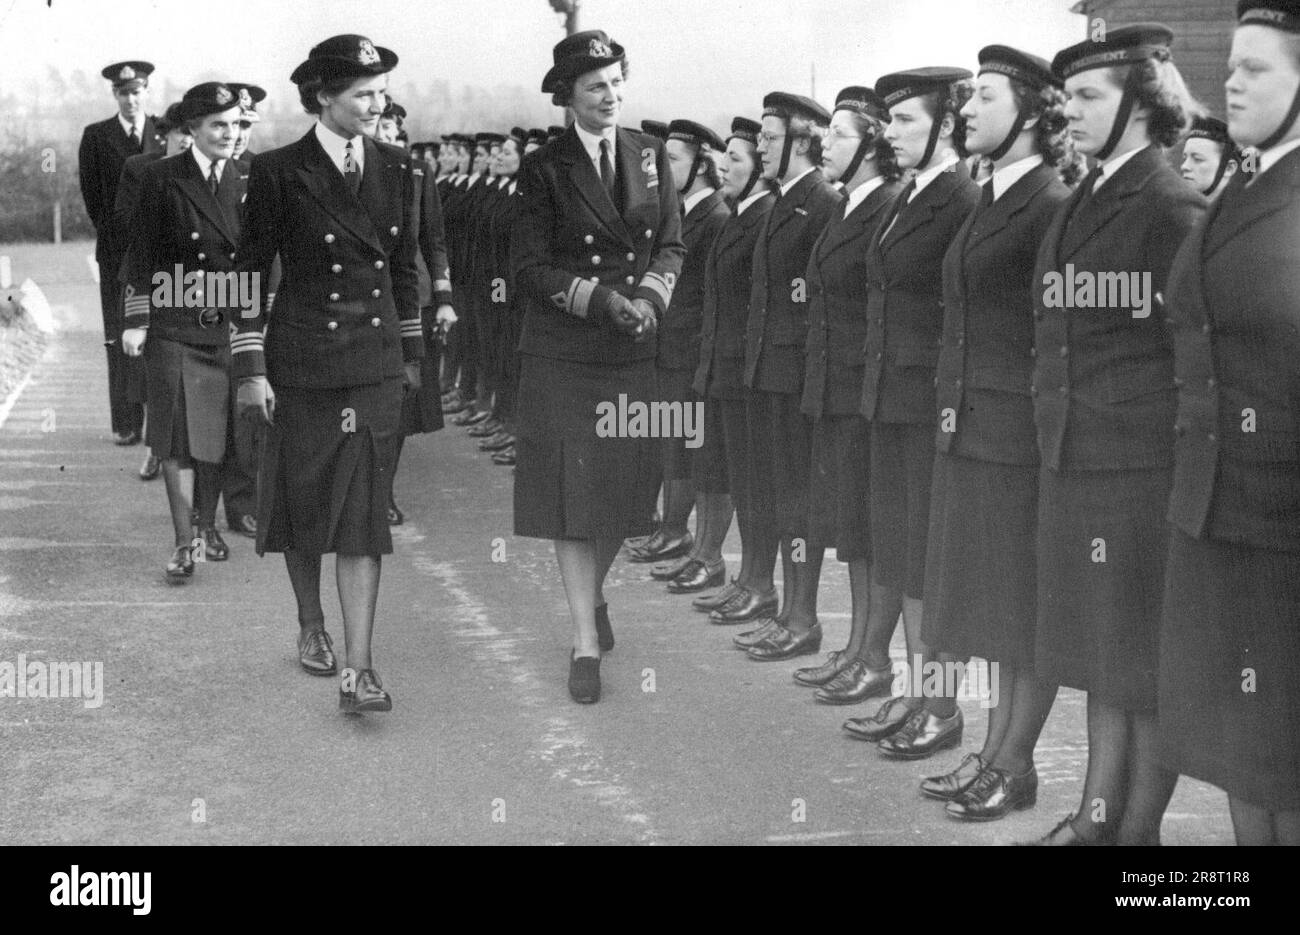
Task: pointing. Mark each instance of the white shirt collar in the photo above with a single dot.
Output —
(591, 143)
(1270, 157)
(1113, 165)
(929, 175)
(786, 186)
(859, 194)
(126, 125)
(692, 200)
(335, 147)
(1002, 179)
(753, 199)
(204, 162)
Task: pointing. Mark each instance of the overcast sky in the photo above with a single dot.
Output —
(727, 53)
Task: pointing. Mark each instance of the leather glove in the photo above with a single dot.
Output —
(133, 341)
(624, 314)
(411, 376)
(649, 323)
(255, 400)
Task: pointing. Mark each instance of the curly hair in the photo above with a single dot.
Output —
(939, 104)
(1163, 93)
(707, 161)
(882, 152)
(1051, 134)
(562, 96)
(308, 90)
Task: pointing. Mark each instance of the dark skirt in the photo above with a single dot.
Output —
(189, 399)
(1230, 669)
(674, 386)
(325, 473)
(1099, 621)
(136, 378)
(571, 483)
(902, 467)
(839, 496)
(422, 410)
(780, 458)
(980, 564)
(735, 443)
(709, 460)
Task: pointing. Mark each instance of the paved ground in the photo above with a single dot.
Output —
(203, 699)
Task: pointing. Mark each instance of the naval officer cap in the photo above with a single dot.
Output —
(695, 134)
(250, 95)
(899, 86)
(578, 54)
(520, 136)
(537, 135)
(784, 105)
(172, 119)
(655, 128)
(489, 139)
(130, 75)
(554, 132)
(346, 56)
(1123, 45)
(862, 101)
(1280, 14)
(1020, 66)
(210, 97)
(743, 128)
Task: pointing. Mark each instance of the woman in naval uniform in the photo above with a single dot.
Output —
(596, 251)
(341, 345)
(1229, 641)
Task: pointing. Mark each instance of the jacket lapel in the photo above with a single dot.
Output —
(588, 183)
(788, 205)
(999, 214)
(924, 206)
(1243, 205)
(190, 181)
(325, 184)
(697, 213)
(1102, 207)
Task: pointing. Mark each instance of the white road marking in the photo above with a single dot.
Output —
(572, 758)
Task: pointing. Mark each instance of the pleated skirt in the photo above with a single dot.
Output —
(981, 560)
(326, 468)
(188, 400)
(1229, 684)
(571, 483)
(1102, 545)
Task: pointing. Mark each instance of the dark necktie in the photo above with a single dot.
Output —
(351, 171)
(607, 170)
(1085, 190)
(214, 180)
(134, 138)
(899, 204)
(986, 198)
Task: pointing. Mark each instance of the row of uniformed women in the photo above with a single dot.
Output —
(1036, 533)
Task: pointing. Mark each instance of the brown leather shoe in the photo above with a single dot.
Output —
(661, 547)
(316, 652)
(923, 735)
(367, 695)
(856, 684)
(786, 644)
(667, 571)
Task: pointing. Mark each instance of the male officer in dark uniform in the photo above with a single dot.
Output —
(250, 95)
(105, 146)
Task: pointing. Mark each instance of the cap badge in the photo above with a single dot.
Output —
(126, 74)
(366, 54)
(598, 49)
(245, 99)
(223, 95)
